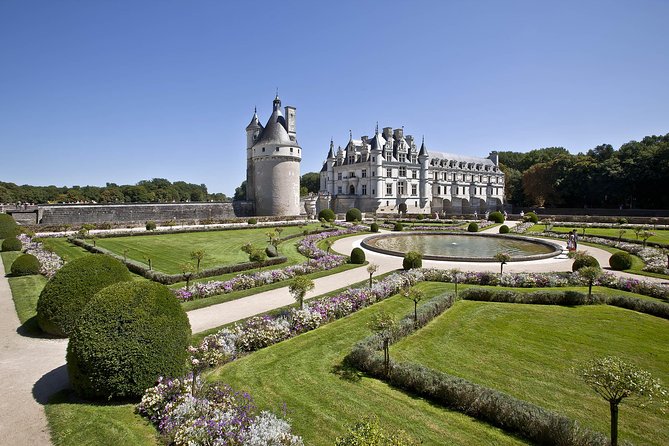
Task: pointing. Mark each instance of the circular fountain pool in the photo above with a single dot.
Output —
(462, 247)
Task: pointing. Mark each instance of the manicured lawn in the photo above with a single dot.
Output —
(528, 350)
(169, 251)
(8, 258)
(66, 250)
(74, 422)
(661, 235)
(25, 292)
(323, 400)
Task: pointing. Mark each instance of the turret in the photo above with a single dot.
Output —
(253, 130)
(423, 158)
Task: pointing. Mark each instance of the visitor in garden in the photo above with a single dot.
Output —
(570, 242)
(522, 214)
(574, 236)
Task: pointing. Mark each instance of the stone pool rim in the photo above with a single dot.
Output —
(557, 249)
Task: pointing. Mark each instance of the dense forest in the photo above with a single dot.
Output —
(156, 190)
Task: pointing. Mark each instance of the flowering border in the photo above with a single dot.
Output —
(49, 262)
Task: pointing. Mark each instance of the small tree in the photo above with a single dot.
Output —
(299, 287)
(645, 235)
(125, 254)
(416, 296)
(271, 235)
(368, 432)
(371, 269)
(614, 380)
(590, 274)
(653, 221)
(637, 231)
(621, 233)
(278, 233)
(187, 269)
(456, 273)
(328, 244)
(502, 258)
(257, 256)
(197, 256)
(548, 223)
(384, 324)
(148, 260)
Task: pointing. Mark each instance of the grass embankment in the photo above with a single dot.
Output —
(661, 235)
(323, 399)
(66, 250)
(25, 292)
(530, 349)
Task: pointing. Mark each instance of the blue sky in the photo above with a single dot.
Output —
(119, 91)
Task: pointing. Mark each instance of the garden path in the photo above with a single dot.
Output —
(31, 369)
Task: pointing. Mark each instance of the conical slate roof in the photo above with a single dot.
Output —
(255, 122)
(275, 130)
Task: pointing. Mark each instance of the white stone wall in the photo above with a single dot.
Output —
(277, 186)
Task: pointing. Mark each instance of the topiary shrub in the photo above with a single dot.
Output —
(398, 226)
(504, 229)
(621, 261)
(374, 227)
(252, 221)
(496, 216)
(68, 291)
(583, 261)
(127, 336)
(25, 265)
(473, 227)
(353, 214)
(531, 216)
(357, 256)
(326, 214)
(271, 251)
(11, 244)
(8, 227)
(412, 259)
(421, 217)
(150, 225)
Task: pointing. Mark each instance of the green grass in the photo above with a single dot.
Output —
(169, 251)
(25, 293)
(661, 235)
(323, 399)
(66, 250)
(528, 350)
(74, 423)
(8, 258)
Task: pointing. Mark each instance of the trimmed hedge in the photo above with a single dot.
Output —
(473, 227)
(150, 225)
(531, 216)
(374, 227)
(11, 244)
(621, 261)
(70, 289)
(584, 261)
(398, 226)
(25, 265)
(252, 221)
(8, 227)
(496, 216)
(326, 214)
(353, 214)
(357, 256)
(504, 229)
(271, 251)
(127, 336)
(412, 259)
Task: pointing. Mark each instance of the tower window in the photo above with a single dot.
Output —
(364, 189)
(291, 150)
(263, 149)
(364, 173)
(414, 174)
(277, 149)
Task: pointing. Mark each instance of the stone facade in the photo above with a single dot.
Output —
(273, 158)
(388, 174)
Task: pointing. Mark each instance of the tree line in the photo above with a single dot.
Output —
(157, 190)
(632, 176)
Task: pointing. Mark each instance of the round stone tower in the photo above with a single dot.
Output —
(273, 164)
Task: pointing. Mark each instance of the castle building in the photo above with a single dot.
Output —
(388, 174)
(273, 158)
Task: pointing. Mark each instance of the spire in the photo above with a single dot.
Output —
(377, 128)
(350, 135)
(255, 122)
(423, 150)
(277, 101)
(331, 152)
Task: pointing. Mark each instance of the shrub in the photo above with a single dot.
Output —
(8, 227)
(357, 256)
(353, 214)
(127, 336)
(252, 221)
(25, 265)
(271, 251)
(11, 244)
(583, 261)
(421, 217)
(473, 227)
(531, 216)
(374, 227)
(496, 216)
(326, 214)
(398, 226)
(150, 225)
(68, 291)
(504, 229)
(621, 261)
(412, 259)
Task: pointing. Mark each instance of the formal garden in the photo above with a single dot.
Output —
(413, 356)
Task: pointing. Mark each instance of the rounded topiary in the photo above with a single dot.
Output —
(326, 214)
(504, 229)
(68, 291)
(150, 225)
(252, 221)
(421, 217)
(8, 227)
(357, 256)
(271, 251)
(531, 216)
(353, 214)
(398, 226)
(584, 261)
(374, 227)
(127, 336)
(412, 259)
(25, 265)
(496, 216)
(11, 244)
(621, 261)
(473, 227)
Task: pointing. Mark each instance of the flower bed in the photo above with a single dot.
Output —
(482, 224)
(49, 262)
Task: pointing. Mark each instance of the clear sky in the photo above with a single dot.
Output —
(95, 91)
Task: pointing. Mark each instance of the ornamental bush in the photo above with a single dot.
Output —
(8, 227)
(504, 229)
(357, 256)
(70, 289)
(496, 216)
(412, 259)
(621, 261)
(11, 244)
(531, 216)
(374, 227)
(150, 225)
(271, 251)
(398, 226)
(326, 214)
(353, 214)
(127, 336)
(583, 261)
(252, 221)
(25, 265)
(473, 227)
